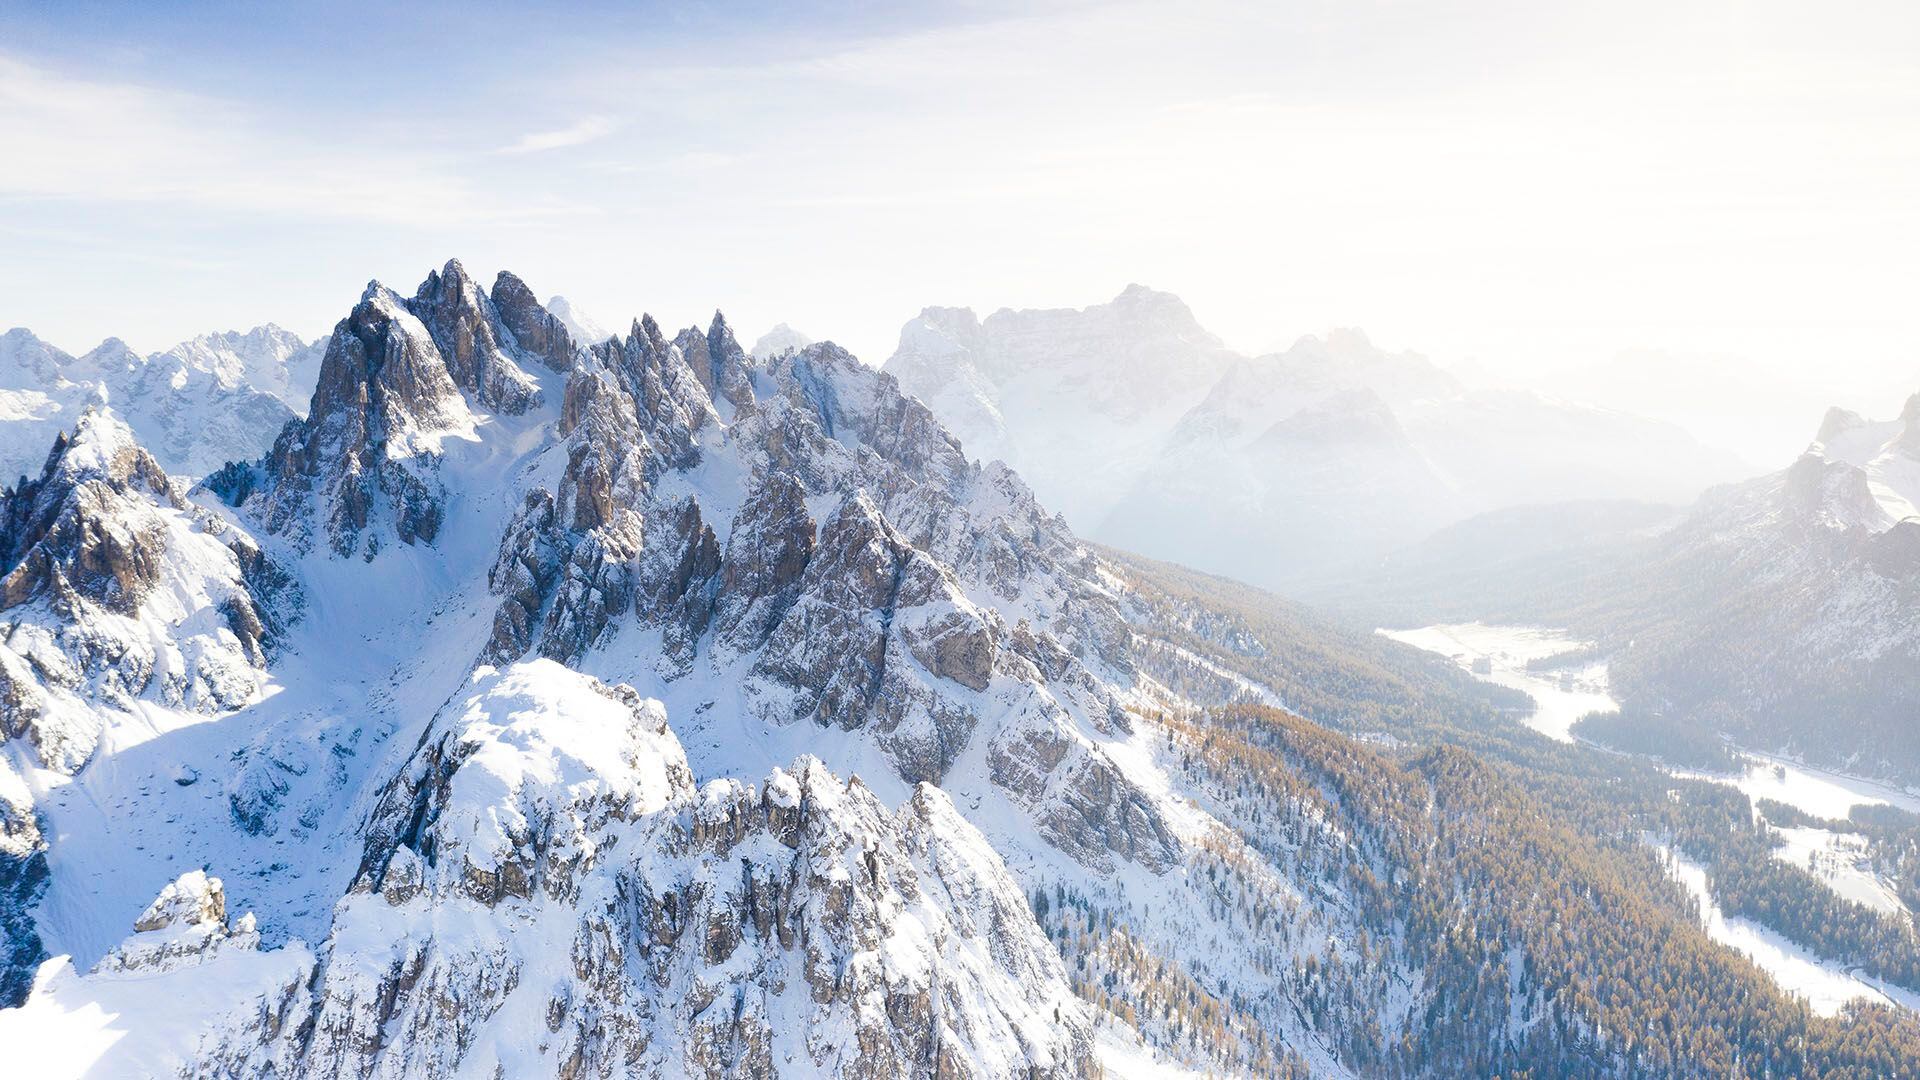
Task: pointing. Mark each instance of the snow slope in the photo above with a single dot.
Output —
(428, 782)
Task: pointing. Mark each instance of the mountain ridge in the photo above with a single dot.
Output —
(199, 403)
(1129, 417)
(599, 701)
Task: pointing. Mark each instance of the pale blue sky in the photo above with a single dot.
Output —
(1526, 184)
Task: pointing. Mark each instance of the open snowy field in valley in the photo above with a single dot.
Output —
(1499, 654)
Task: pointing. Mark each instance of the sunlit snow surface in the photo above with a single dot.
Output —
(134, 1024)
(1815, 791)
(1563, 697)
(1840, 860)
(1124, 1057)
(1824, 985)
(1560, 696)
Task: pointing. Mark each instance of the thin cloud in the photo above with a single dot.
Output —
(79, 139)
(577, 134)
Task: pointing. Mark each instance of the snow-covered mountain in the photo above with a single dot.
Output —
(778, 340)
(533, 708)
(1785, 611)
(583, 327)
(597, 693)
(1080, 402)
(265, 358)
(1782, 612)
(217, 398)
(1276, 469)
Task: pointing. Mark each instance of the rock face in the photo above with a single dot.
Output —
(545, 893)
(399, 377)
(468, 330)
(185, 925)
(114, 588)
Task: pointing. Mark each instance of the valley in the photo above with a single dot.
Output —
(1521, 658)
(521, 678)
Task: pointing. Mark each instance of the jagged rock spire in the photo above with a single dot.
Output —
(534, 328)
(468, 330)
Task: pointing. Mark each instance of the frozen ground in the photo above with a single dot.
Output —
(1835, 858)
(1815, 791)
(1499, 654)
(1824, 985)
(1839, 860)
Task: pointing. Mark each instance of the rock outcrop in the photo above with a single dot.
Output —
(113, 587)
(545, 893)
(186, 924)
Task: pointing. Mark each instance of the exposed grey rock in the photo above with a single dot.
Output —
(58, 536)
(534, 329)
(678, 578)
(792, 927)
(186, 924)
(473, 342)
(383, 391)
(83, 549)
(767, 552)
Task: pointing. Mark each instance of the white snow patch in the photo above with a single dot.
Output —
(1499, 654)
(1824, 986)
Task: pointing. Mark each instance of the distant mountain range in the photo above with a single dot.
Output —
(217, 398)
(1783, 611)
(1147, 432)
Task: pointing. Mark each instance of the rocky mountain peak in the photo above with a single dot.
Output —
(938, 332)
(59, 535)
(1837, 423)
(1832, 494)
(1908, 440)
(383, 362)
(384, 398)
(117, 588)
(1165, 309)
(265, 358)
(27, 362)
(110, 361)
(781, 338)
(473, 342)
(584, 328)
(535, 329)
